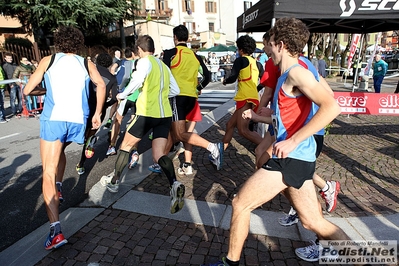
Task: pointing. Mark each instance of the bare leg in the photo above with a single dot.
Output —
(50, 153)
(318, 181)
(261, 187)
(116, 127)
(263, 150)
(305, 202)
(188, 153)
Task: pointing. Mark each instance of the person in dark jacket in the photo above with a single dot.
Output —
(14, 90)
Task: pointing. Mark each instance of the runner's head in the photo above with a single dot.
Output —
(68, 39)
(104, 60)
(146, 44)
(292, 33)
(180, 34)
(246, 44)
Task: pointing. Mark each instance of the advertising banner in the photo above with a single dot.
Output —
(352, 50)
(368, 103)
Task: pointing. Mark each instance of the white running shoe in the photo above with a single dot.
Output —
(289, 219)
(185, 170)
(176, 197)
(331, 195)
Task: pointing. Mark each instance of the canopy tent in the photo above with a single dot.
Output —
(324, 16)
(220, 48)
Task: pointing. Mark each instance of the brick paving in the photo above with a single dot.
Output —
(360, 151)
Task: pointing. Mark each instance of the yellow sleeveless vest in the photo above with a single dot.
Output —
(153, 99)
(184, 67)
(248, 81)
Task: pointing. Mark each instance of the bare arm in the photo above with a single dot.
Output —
(329, 109)
(36, 78)
(113, 68)
(100, 93)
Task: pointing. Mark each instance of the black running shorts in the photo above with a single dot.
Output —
(295, 172)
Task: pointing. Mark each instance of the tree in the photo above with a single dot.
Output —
(43, 17)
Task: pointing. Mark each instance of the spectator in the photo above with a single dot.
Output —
(2, 87)
(214, 62)
(23, 72)
(13, 88)
(380, 69)
(322, 65)
(314, 61)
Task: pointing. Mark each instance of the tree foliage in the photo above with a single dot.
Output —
(90, 16)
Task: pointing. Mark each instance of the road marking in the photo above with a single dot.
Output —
(9, 136)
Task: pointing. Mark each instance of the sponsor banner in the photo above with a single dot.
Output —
(368, 103)
(352, 50)
(348, 7)
(382, 252)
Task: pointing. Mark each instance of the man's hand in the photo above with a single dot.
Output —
(248, 114)
(265, 111)
(283, 148)
(96, 121)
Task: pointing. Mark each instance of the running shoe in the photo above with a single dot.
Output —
(155, 168)
(185, 170)
(134, 158)
(55, 242)
(179, 148)
(217, 159)
(2, 121)
(176, 197)
(80, 170)
(309, 253)
(221, 262)
(108, 124)
(89, 150)
(111, 151)
(59, 191)
(105, 179)
(331, 195)
(113, 188)
(289, 219)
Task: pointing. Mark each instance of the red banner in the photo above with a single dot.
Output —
(368, 103)
(352, 50)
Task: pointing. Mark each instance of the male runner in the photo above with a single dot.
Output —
(156, 84)
(293, 163)
(64, 115)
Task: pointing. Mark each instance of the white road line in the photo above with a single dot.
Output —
(9, 136)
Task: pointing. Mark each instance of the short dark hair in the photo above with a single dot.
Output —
(68, 39)
(266, 36)
(292, 32)
(181, 33)
(128, 52)
(146, 43)
(246, 43)
(104, 60)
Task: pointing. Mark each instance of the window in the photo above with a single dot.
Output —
(188, 6)
(210, 7)
(211, 26)
(247, 5)
(161, 5)
(190, 26)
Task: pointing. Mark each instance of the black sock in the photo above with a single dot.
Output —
(120, 163)
(232, 263)
(186, 164)
(167, 167)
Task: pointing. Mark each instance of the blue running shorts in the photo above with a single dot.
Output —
(63, 131)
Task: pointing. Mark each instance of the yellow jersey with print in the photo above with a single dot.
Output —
(153, 98)
(248, 81)
(184, 66)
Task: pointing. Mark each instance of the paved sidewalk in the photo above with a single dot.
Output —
(134, 226)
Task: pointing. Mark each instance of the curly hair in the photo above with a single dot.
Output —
(104, 60)
(68, 39)
(246, 43)
(292, 32)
